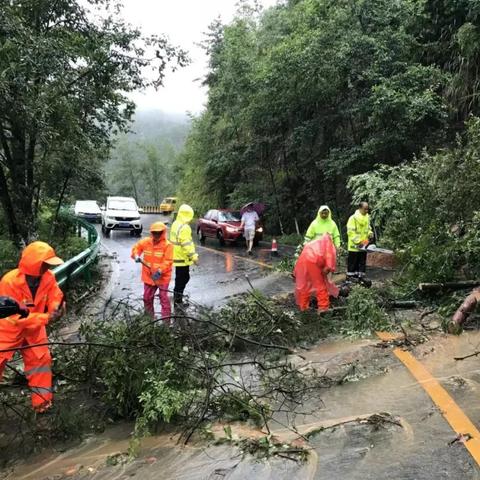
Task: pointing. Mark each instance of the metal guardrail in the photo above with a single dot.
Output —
(80, 263)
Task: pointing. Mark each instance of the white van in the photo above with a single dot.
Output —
(121, 213)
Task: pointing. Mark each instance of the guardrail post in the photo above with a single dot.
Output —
(87, 275)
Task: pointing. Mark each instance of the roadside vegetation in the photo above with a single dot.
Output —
(242, 363)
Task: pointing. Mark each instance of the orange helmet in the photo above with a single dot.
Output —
(157, 227)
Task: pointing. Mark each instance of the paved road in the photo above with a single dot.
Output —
(220, 274)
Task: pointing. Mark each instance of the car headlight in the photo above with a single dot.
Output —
(135, 218)
(260, 230)
(110, 219)
(232, 229)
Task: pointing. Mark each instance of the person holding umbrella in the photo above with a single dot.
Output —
(249, 222)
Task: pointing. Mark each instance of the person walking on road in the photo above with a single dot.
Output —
(323, 224)
(317, 260)
(157, 264)
(184, 253)
(249, 223)
(359, 234)
(33, 286)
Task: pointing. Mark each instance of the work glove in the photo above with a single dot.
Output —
(363, 245)
(156, 276)
(137, 259)
(57, 313)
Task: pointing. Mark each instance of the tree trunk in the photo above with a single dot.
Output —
(60, 201)
(436, 287)
(277, 203)
(8, 208)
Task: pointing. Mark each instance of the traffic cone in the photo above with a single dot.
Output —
(274, 250)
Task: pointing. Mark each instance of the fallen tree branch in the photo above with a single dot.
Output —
(436, 287)
(474, 354)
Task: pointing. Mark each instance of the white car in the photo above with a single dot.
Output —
(121, 213)
(88, 210)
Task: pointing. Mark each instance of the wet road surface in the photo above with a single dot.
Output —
(221, 272)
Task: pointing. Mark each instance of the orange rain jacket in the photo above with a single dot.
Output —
(159, 257)
(17, 332)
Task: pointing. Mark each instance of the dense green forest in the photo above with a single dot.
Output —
(308, 93)
(143, 161)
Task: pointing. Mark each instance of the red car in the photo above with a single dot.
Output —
(224, 225)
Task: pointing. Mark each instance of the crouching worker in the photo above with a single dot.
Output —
(33, 286)
(157, 264)
(317, 260)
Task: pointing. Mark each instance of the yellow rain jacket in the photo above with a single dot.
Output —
(358, 230)
(321, 226)
(181, 237)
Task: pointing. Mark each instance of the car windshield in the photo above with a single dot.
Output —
(87, 204)
(122, 205)
(229, 216)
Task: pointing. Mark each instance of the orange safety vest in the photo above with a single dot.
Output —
(159, 256)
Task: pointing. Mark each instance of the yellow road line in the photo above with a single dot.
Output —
(220, 252)
(452, 413)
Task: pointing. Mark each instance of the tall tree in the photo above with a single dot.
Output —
(65, 73)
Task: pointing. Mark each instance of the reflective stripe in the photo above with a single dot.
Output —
(180, 244)
(179, 228)
(40, 390)
(191, 255)
(179, 261)
(41, 369)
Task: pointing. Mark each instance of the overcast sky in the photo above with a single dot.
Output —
(183, 21)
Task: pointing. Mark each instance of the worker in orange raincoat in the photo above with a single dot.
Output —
(317, 260)
(157, 266)
(34, 286)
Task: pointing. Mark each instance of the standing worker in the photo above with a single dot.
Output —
(249, 223)
(359, 234)
(184, 253)
(323, 224)
(33, 285)
(157, 264)
(317, 260)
